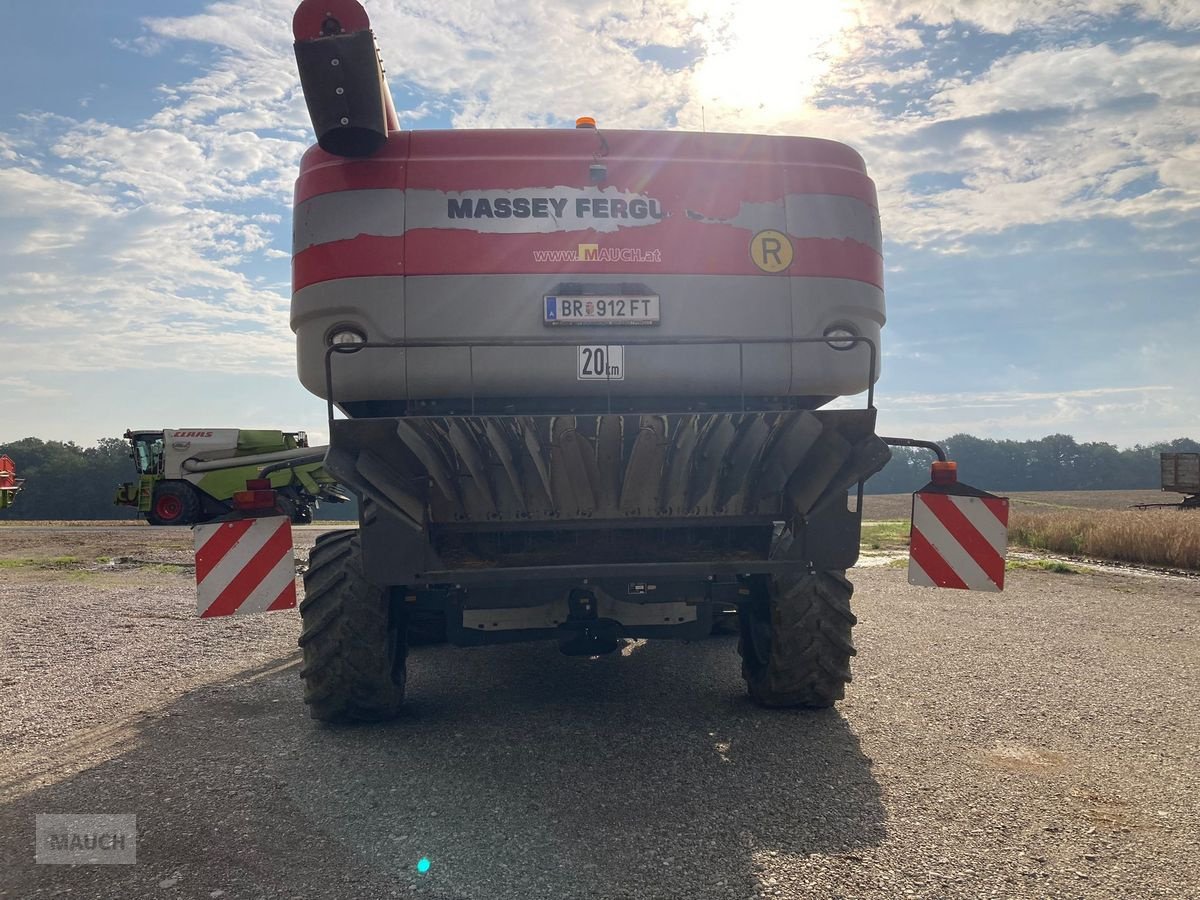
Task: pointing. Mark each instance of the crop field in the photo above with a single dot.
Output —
(1154, 537)
(1091, 524)
(879, 507)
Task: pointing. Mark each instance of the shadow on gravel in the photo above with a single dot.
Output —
(516, 771)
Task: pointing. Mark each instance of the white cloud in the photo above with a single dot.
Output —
(1121, 415)
(510, 63)
(1008, 16)
(14, 389)
(1081, 77)
(127, 244)
(96, 282)
(1047, 136)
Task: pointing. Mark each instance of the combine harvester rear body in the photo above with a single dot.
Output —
(493, 405)
(581, 377)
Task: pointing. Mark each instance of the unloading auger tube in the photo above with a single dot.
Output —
(452, 293)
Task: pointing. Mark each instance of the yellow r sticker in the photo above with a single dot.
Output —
(771, 250)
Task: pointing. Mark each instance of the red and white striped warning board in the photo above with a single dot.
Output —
(958, 541)
(245, 567)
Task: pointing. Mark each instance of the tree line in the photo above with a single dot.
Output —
(69, 481)
(1056, 462)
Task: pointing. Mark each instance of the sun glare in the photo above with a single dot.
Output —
(767, 55)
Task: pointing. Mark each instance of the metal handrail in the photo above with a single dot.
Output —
(913, 442)
(470, 345)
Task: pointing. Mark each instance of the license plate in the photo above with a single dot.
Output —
(601, 362)
(595, 310)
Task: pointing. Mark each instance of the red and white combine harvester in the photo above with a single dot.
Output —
(580, 381)
(10, 484)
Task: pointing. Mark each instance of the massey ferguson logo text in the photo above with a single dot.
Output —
(553, 208)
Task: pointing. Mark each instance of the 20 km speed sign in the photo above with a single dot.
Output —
(601, 362)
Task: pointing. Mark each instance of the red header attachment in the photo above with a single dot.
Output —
(8, 473)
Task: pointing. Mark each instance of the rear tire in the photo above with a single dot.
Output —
(353, 637)
(173, 503)
(795, 642)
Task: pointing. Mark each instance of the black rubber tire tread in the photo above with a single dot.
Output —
(808, 663)
(352, 636)
(187, 497)
(326, 535)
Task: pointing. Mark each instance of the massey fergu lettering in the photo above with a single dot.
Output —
(553, 208)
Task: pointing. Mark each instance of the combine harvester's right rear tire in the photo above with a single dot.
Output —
(353, 637)
(795, 643)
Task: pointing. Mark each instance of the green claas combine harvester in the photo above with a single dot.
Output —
(189, 475)
(580, 382)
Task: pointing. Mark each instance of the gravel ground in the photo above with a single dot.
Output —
(1042, 743)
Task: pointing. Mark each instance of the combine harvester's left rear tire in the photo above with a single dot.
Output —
(353, 637)
(795, 642)
(174, 503)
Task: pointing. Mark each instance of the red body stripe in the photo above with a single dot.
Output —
(967, 535)
(252, 574)
(686, 248)
(323, 173)
(355, 258)
(286, 598)
(931, 561)
(220, 543)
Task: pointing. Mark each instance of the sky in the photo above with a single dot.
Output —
(1037, 162)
